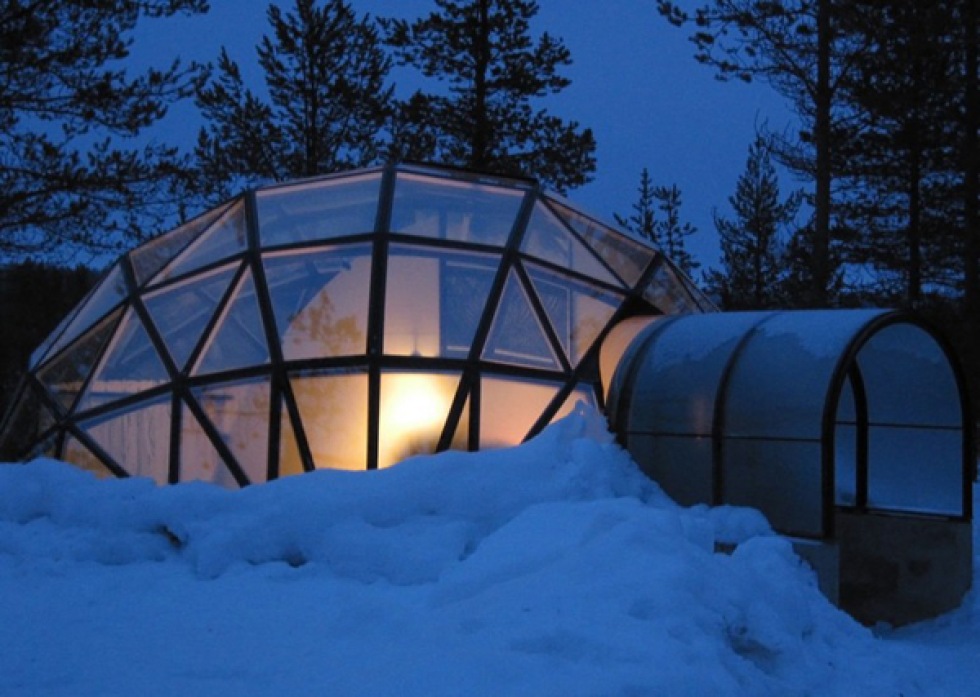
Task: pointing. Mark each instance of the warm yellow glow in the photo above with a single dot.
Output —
(414, 407)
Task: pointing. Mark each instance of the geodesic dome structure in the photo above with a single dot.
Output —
(345, 322)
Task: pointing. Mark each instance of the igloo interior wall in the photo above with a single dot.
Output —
(342, 322)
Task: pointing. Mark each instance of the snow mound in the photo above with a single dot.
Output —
(554, 568)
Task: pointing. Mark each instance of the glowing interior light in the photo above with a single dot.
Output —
(414, 407)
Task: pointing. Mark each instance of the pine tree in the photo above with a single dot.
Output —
(671, 230)
(71, 179)
(484, 118)
(325, 73)
(642, 222)
(752, 243)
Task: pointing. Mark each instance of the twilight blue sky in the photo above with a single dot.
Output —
(634, 82)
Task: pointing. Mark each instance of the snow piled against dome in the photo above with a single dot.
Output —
(554, 568)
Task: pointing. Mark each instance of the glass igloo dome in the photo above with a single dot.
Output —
(345, 322)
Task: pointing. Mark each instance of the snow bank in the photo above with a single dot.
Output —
(554, 568)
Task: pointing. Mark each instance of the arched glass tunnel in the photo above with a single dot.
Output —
(849, 429)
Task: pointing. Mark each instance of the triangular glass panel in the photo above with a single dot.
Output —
(238, 340)
(412, 413)
(668, 294)
(26, 421)
(137, 437)
(509, 408)
(290, 460)
(199, 458)
(320, 301)
(64, 376)
(80, 456)
(152, 256)
(227, 237)
(516, 335)
(578, 312)
(130, 365)
(628, 258)
(181, 311)
(109, 293)
(548, 239)
(240, 413)
(318, 209)
(334, 409)
(456, 210)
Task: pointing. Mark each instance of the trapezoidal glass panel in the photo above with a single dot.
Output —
(668, 293)
(65, 375)
(137, 437)
(628, 258)
(318, 209)
(149, 258)
(918, 470)
(199, 458)
(227, 237)
(320, 300)
(413, 412)
(509, 407)
(517, 336)
(334, 410)
(578, 312)
(104, 297)
(548, 239)
(83, 458)
(181, 311)
(238, 340)
(454, 210)
(130, 365)
(239, 411)
(434, 300)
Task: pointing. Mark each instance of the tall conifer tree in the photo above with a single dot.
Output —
(485, 117)
(325, 72)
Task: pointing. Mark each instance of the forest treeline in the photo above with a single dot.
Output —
(881, 208)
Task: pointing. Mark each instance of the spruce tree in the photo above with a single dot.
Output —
(71, 179)
(484, 114)
(753, 243)
(325, 72)
(642, 222)
(671, 230)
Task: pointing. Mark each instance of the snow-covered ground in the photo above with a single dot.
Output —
(555, 568)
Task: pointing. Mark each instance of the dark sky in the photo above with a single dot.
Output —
(634, 82)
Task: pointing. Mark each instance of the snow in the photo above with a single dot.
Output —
(554, 568)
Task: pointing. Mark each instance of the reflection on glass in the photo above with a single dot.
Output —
(238, 340)
(509, 407)
(239, 411)
(227, 237)
(548, 239)
(578, 312)
(181, 311)
(320, 301)
(109, 293)
(137, 438)
(318, 210)
(333, 407)
(627, 257)
(414, 407)
(666, 292)
(456, 210)
(516, 335)
(434, 301)
(152, 256)
(64, 376)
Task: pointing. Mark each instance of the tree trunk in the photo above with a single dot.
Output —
(821, 221)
